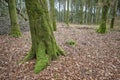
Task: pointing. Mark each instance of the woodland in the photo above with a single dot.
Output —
(59, 39)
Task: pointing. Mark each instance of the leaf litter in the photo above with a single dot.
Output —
(94, 57)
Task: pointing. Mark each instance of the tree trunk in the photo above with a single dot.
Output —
(15, 29)
(67, 14)
(114, 10)
(44, 47)
(64, 10)
(52, 14)
(102, 28)
(59, 11)
(85, 13)
(81, 12)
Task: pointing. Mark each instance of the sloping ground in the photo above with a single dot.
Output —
(94, 57)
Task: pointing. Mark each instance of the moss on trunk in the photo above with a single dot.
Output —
(52, 14)
(102, 28)
(15, 29)
(67, 13)
(44, 47)
(114, 10)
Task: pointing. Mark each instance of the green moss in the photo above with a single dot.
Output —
(71, 42)
(29, 56)
(41, 64)
(102, 28)
(15, 30)
(60, 51)
(15, 33)
(42, 60)
(43, 42)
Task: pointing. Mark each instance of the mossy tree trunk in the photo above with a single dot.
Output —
(81, 12)
(44, 47)
(15, 29)
(52, 14)
(105, 8)
(67, 13)
(114, 10)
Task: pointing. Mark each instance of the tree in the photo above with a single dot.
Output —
(81, 12)
(15, 29)
(67, 13)
(102, 28)
(114, 10)
(52, 14)
(44, 47)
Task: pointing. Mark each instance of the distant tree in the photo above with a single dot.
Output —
(114, 10)
(81, 12)
(52, 14)
(67, 13)
(15, 29)
(105, 8)
(44, 47)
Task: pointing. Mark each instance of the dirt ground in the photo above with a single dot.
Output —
(94, 57)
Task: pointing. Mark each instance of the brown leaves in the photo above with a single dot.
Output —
(95, 57)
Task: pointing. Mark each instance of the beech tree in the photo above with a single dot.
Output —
(52, 14)
(67, 13)
(15, 29)
(114, 10)
(102, 28)
(44, 47)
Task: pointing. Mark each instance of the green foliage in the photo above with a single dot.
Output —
(71, 42)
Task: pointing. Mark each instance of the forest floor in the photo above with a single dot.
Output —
(93, 57)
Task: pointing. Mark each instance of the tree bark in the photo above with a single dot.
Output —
(102, 28)
(81, 12)
(52, 14)
(44, 47)
(15, 29)
(67, 14)
(114, 10)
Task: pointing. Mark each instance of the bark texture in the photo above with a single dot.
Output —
(44, 47)
(67, 13)
(102, 28)
(15, 29)
(52, 14)
(114, 10)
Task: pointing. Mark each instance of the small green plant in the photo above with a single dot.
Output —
(71, 42)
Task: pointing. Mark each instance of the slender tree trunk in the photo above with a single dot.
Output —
(81, 13)
(15, 29)
(52, 14)
(94, 16)
(67, 14)
(98, 15)
(85, 16)
(114, 10)
(64, 10)
(102, 28)
(44, 47)
(76, 11)
(59, 12)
